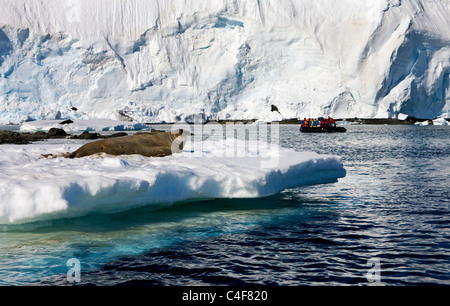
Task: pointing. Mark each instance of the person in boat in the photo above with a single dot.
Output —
(332, 122)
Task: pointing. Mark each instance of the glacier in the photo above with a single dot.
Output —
(173, 60)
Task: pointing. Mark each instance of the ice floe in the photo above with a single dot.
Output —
(36, 188)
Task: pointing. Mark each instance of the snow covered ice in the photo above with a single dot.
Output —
(440, 121)
(82, 125)
(168, 60)
(36, 188)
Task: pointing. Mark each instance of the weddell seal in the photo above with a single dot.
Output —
(154, 144)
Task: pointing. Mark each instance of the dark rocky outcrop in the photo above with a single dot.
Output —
(11, 137)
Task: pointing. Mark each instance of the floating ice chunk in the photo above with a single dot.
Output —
(35, 188)
(82, 125)
(424, 123)
(440, 121)
(402, 116)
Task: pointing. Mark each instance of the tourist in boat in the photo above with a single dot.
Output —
(332, 122)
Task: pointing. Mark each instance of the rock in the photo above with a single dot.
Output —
(87, 135)
(12, 138)
(54, 132)
(66, 122)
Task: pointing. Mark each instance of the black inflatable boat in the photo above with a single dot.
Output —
(325, 129)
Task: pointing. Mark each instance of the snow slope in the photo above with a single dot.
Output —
(167, 60)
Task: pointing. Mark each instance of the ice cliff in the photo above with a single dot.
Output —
(167, 60)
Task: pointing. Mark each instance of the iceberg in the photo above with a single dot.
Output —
(82, 125)
(423, 123)
(440, 121)
(35, 188)
(168, 60)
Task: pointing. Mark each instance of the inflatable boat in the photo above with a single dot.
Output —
(325, 129)
(321, 125)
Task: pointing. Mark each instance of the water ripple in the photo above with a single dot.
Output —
(392, 207)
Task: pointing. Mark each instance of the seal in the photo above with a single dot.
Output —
(154, 144)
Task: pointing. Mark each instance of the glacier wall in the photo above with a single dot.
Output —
(168, 60)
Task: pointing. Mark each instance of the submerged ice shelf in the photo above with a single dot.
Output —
(34, 188)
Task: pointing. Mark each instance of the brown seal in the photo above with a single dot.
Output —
(154, 144)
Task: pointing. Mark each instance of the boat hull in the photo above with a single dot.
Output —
(326, 129)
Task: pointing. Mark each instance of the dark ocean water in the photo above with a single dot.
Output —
(387, 222)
